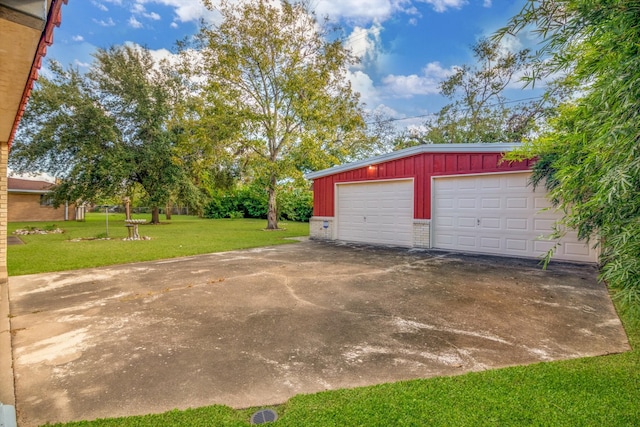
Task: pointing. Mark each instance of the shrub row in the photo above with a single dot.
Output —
(294, 204)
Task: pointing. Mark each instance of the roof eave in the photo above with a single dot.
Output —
(53, 19)
(501, 147)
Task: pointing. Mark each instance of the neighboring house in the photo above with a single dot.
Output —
(459, 197)
(29, 200)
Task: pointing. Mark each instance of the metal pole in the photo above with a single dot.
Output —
(106, 213)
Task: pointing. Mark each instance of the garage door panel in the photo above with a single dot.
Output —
(444, 240)
(543, 225)
(490, 223)
(467, 203)
(491, 203)
(376, 212)
(576, 249)
(517, 203)
(466, 241)
(488, 184)
(490, 243)
(542, 203)
(517, 245)
(519, 225)
(518, 182)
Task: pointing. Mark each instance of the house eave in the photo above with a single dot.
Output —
(27, 30)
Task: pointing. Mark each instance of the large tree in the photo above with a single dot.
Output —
(589, 157)
(479, 110)
(272, 75)
(106, 131)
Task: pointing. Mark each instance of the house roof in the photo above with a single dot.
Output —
(419, 149)
(17, 185)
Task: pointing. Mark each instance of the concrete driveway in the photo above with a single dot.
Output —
(256, 327)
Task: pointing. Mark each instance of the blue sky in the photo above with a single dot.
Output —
(406, 46)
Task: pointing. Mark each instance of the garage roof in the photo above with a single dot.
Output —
(419, 149)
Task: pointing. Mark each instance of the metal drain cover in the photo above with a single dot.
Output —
(264, 416)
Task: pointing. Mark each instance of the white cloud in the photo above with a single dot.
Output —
(173, 25)
(185, 10)
(362, 83)
(134, 23)
(487, 3)
(427, 83)
(444, 5)
(359, 10)
(108, 23)
(100, 6)
(81, 64)
(364, 43)
(160, 55)
(139, 9)
(77, 38)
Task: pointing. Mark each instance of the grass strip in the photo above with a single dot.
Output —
(82, 245)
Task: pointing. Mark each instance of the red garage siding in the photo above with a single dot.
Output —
(421, 166)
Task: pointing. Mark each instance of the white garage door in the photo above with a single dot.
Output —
(378, 212)
(498, 214)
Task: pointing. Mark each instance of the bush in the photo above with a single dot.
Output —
(251, 201)
(222, 205)
(295, 204)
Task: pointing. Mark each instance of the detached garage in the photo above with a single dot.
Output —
(459, 197)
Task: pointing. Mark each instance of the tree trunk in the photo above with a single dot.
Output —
(272, 213)
(167, 213)
(155, 215)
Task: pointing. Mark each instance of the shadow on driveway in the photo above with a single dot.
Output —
(256, 327)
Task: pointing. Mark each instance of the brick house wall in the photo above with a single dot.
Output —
(27, 207)
(27, 202)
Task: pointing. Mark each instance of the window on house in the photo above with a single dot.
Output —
(46, 200)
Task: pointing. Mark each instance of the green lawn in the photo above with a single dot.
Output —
(598, 391)
(182, 236)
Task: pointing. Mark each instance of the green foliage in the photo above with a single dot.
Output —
(590, 153)
(250, 201)
(108, 132)
(295, 204)
(222, 205)
(254, 201)
(478, 111)
(273, 78)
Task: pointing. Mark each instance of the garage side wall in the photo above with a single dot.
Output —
(421, 167)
